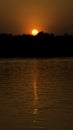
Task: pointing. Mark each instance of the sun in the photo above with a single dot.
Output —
(35, 32)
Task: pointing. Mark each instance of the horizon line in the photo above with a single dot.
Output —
(41, 32)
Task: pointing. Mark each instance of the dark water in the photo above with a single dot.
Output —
(36, 94)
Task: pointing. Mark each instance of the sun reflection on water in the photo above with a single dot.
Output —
(35, 110)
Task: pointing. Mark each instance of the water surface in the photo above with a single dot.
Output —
(36, 94)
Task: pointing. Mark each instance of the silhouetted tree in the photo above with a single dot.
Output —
(42, 45)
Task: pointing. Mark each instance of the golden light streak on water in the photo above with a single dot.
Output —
(35, 111)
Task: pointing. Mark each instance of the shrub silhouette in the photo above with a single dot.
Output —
(43, 45)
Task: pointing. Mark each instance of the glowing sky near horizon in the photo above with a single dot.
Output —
(21, 16)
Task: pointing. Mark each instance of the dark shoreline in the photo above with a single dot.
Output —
(43, 45)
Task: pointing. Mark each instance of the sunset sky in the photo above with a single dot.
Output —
(21, 16)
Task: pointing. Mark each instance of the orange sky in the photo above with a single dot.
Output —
(21, 16)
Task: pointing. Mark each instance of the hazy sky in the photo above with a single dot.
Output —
(21, 16)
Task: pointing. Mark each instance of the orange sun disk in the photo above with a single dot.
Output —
(35, 32)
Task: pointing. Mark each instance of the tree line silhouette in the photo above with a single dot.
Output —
(43, 45)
